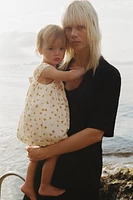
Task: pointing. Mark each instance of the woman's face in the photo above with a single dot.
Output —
(77, 37)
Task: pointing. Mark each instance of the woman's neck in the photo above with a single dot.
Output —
(82, 58)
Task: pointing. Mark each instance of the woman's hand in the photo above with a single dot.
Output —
(36, 153)
(80, 140)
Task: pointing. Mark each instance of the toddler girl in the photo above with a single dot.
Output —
(45, 118)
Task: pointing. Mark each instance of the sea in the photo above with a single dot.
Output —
(117, 151)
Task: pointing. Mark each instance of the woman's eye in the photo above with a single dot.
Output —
(68, 28)
(62, 49)
(80, 27)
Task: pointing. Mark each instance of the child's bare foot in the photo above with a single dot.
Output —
(29, 191)
(49, 190)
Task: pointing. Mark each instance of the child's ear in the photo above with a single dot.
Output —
(40, 50)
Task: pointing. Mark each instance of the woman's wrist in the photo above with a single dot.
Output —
(47, 152)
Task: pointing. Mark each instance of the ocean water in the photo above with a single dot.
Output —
(119, 149)
(13, 87)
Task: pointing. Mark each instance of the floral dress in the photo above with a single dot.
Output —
(45, 118)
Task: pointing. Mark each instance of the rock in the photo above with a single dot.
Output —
(116, 184)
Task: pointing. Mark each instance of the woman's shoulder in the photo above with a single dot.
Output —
(105, 69)
(105, 74)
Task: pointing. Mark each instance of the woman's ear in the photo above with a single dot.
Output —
(40, 50)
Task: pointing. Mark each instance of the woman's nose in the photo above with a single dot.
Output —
(74, 32)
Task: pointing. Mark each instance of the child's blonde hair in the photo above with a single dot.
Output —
(83, 13)
(47, 36)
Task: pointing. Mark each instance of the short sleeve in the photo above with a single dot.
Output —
(106, 87)
(39, 70)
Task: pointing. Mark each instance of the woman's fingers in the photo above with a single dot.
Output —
(35, 153)
(30, 148)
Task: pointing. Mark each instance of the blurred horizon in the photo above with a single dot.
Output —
(21, 20)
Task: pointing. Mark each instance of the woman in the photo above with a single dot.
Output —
(93, 101)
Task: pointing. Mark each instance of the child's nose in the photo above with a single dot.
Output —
(57, 52)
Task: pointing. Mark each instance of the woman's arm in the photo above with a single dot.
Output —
(75, 142)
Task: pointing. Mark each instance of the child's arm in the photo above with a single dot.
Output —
(55, 74)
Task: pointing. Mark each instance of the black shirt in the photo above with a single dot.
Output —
(92, 105)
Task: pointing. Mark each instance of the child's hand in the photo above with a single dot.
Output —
(78, 69)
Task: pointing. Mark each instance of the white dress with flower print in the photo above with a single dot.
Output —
(45, 119)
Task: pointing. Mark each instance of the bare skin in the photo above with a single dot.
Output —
(28, 190)
(49, 190)
(46, 189)
(75, 142)
(28, 187)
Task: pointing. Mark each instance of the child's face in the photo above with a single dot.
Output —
(54, 53)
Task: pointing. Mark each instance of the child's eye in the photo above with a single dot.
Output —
(50, 48)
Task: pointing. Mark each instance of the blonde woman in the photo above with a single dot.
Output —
(45, 119)
(93, 102)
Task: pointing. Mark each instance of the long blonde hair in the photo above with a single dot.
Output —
(83, 13)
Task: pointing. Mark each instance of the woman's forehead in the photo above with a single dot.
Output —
(74, 22)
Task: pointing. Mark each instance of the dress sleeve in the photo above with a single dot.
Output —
(106, 87)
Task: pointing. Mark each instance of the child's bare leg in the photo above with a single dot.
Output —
(46, 189)
(28, 186)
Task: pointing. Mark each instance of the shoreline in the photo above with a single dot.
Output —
(120, 160)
